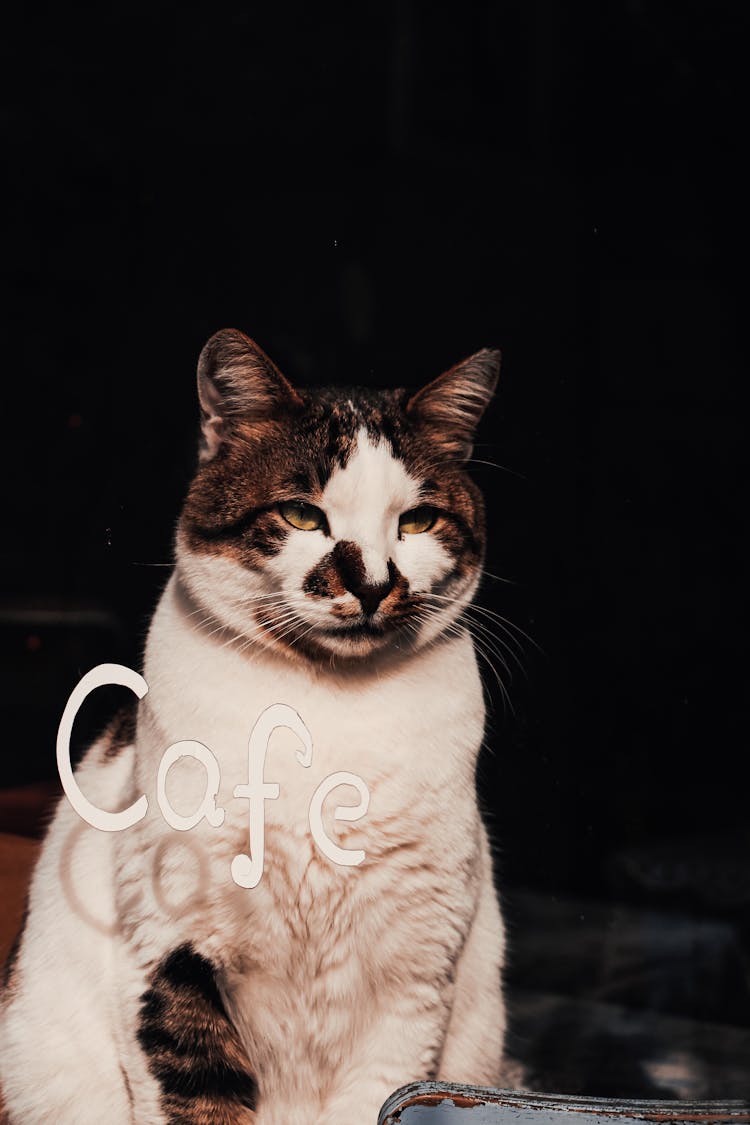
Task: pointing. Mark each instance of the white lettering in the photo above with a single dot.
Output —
(97, 818)
(247, 871)
(207, 807)
(345, 857)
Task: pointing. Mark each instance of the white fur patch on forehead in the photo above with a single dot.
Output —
(363, 501)
(372, 480)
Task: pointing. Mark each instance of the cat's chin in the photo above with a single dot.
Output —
(354, 642)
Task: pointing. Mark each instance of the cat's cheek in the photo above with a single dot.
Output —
(289, 572)
(302, 551)
(423, 561)
(219, 583)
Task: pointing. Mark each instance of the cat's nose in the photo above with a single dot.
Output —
(370, 597)
(351, 568)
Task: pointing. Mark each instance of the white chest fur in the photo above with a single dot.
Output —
(407, 728)
(314, 932)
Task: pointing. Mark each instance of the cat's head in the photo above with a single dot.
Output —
(336, 522)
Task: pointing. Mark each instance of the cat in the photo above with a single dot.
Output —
(328, 545)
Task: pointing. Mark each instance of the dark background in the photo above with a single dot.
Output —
(372, 192)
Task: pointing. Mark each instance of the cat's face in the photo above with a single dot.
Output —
(332, 523)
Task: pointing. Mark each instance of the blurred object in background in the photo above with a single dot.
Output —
(46, 645)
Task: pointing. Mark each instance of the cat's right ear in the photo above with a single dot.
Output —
(237, 380)
(451, 406)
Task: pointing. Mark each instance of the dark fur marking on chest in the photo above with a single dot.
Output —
(120, 731)
(193, 1049)
(10, 961)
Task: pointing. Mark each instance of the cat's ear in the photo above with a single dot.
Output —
(237, 380)
(451, 405)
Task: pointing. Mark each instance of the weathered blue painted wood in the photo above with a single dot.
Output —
(434, 1103)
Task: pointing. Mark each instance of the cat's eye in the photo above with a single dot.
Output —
(417, 520)
(305, 517)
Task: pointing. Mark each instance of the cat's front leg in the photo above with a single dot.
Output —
(473, 1052)
(187, 1064)
(181, 1051)
(403, 1045)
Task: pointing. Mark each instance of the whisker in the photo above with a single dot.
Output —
(497, 577)
(493, 624)
(481, 650)
(495, 465)
(481, 646)
(492, 617)
(492, 641)
(511, 624)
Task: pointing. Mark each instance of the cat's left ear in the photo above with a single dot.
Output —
(451, 405)
(237, 380)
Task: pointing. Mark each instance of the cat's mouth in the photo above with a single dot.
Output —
(356, 638)
(352, 637)
(361, 630)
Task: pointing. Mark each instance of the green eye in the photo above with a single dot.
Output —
(305, 517)
(417, 520)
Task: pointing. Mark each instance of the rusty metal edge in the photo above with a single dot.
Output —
(433, 1093)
